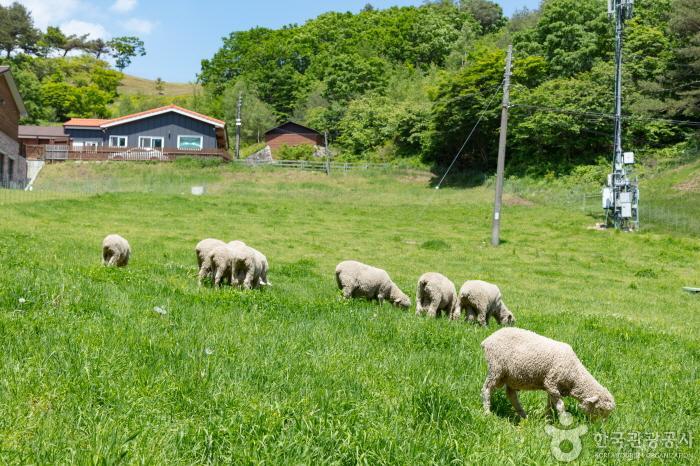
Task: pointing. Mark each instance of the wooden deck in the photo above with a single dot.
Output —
(62, 153)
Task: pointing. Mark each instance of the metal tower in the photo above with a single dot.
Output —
(621, 194)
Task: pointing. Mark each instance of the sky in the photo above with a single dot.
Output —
(178, 34)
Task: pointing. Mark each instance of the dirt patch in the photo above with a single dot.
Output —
(511, 200)
(692, 185)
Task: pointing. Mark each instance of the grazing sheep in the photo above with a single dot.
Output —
(220, 262)
(204, 247)
(246, 267)
(360, 280)
(115, 251)
(482, 300)
(261, 260)
(435, 293)
(203, 251)
(524, 360)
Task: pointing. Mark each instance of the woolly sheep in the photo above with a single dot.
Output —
(435, 294)
(261, 260)
(482, 300)
(115, 251)
(523, 360)
(356, 279)
(246, 265)
(204, 258)
(204, 247)
(219, 263)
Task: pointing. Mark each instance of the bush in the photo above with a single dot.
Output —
(301, 152)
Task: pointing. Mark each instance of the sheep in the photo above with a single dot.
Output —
(246, 265)
(220, 263)
(356, 279)
(204, 247)
(523, 360)
(261, 260)
(115, 251)
(203, 250)
(482, 300)
(435, 293)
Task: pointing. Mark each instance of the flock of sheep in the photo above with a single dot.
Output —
(517, 359)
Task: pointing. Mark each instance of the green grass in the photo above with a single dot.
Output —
(293, 373)
(134, 85)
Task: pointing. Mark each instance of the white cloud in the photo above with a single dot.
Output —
(79, 28)
(48, 12)
(124, 6)
(140, 26)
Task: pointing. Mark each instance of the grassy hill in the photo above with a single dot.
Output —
(135, 85)
(295, 374)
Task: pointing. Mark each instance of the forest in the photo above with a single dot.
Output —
(408, 84)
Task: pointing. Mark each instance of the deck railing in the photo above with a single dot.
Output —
(57, 153)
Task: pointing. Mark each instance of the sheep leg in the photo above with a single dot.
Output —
(555, 398)
(490, 383)
(433, 309)
(515, 401)
(218, 276)
(249, 281)
(456, 312)
(482, 317)
(347, 292)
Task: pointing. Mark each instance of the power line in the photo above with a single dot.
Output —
(459, 152)
(601, 115)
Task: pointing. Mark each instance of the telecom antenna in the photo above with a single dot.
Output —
(621, 194)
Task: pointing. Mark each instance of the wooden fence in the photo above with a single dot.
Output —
(328, 167)
(60, 153)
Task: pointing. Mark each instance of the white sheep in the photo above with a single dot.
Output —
(356, 279)
(204, 258)
(482, 300)
(523, 360)
(220, 262)
(115, 251)
(435, 293)
(204, 247)
(246, 266)
(262, 263)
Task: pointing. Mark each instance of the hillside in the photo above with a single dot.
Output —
(135, 85)
(293, 374)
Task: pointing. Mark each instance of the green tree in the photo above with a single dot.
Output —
(257, 116)
(487, 13)
(17, 31)
(685, 25)
(160, 86)
(124, 49)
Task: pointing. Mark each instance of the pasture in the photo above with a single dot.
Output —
(89, 373)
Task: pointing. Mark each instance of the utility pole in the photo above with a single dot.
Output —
(238, 126)
(328, 154)
(496, 228)
(621, 195)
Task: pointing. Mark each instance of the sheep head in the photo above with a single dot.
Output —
(598, 405)
(505, 317)
(398, 298)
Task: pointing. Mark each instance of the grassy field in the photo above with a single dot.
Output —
(134, 85)
(89, 373)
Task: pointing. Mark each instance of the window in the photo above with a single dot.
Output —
(10, 169)
(190, 142)
(118, 141)
(149, 142)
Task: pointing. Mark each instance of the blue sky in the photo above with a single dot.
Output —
(179, 33)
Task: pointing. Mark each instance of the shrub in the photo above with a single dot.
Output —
(301, 152)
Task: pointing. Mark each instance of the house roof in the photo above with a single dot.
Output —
(291, 127)
(41, 132)
(5, 71)
(97, 123)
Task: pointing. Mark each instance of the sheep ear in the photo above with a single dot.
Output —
(592, 399)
